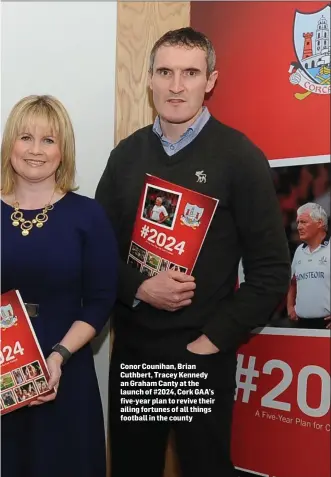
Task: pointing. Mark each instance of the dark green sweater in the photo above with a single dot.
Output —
(247, 224)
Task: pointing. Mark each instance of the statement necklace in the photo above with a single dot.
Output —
(17, 217)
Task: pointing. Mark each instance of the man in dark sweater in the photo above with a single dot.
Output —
(198, 320)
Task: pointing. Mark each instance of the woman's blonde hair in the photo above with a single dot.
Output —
(24, 113)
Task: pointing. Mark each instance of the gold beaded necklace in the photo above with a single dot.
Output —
(17, 217)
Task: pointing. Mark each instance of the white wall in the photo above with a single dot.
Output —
(66, 49)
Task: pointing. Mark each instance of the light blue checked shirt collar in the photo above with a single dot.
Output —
(185, 139)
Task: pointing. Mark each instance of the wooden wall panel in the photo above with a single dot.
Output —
(139, 25)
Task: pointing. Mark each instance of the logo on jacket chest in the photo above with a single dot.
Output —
(323, 261)
(201, 176)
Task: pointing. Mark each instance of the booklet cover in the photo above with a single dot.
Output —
(170, 227)
(23, 369)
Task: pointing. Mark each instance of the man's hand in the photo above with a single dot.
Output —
(168, 290)
(54, 362)
(202, 345)
(292, 314)
(328, 318)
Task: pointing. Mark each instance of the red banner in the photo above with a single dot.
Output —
(281, 425)
(24, 373)
(170, 227)
(273, 60)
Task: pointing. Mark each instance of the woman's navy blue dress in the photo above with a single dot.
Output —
(69, 268)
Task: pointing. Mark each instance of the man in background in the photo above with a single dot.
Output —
(308, 300)
(173, 317)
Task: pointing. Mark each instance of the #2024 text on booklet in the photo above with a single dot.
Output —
(23, 368)
(170, 227)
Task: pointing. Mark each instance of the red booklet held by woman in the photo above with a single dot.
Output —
(23, 368)
(170, 227)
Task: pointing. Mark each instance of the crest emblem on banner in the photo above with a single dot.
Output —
(8, 318)
(192, 215)
(312, 43)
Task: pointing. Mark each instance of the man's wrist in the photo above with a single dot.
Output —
(140, 292)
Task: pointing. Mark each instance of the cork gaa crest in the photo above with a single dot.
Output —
(192, 215)
(8, 318)
(311, 38)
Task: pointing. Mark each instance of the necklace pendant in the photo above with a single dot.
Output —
(18, 219)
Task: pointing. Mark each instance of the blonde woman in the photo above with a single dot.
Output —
(58, 249)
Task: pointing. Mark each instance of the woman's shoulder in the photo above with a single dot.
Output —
(84, 202)
(86, 206)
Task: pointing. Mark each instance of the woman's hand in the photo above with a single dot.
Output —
(54, 362)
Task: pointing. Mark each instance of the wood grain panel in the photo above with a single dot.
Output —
(139, 25)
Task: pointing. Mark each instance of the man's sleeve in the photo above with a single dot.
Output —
(265, 254)
(129, 279)
(165, 212)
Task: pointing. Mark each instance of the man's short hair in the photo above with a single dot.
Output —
(315, 211)
(189, 38)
